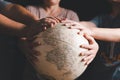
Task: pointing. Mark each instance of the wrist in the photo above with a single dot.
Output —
(93, 32)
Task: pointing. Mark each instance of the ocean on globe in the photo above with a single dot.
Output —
(59, 51)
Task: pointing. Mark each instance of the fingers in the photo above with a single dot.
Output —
(85, 53)
(93, 45)
(79, 27)
(86, 46)
(88, 60)
(89, 38)
(70, 23)
(75, 25)
(58, 20)
(39, 26)
(92, 49)
(27, 46)
(28, 38)
(49, 22)
(88, 57)
(30, 53)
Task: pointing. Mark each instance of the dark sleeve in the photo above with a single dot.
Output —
(3, 4)
(97, 20)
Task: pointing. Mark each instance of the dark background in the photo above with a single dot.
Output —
(86, 9)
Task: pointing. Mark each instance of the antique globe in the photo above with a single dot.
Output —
(58, 53)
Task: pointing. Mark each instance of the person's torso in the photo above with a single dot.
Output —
(109, 51)
(3, 4)
(64, 13)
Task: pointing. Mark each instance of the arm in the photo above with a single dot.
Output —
(9, 26)
(16, 20)
(13, 28)
(105, 34)
(18, 13)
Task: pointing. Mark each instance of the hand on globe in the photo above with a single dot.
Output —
(83, 30)
(27, 45)
(92, 50)
(30, 30)
(49, 22)
(78, 25)
(38, 26)
(58, 51)
(67, 22)
(28, 33)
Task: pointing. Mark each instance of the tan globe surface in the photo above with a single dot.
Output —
(59, 53)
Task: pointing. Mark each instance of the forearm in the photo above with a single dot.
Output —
(106, 34)
(88, 24)
(19, 14)
(10, 27)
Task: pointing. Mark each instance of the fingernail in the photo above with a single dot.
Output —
(39, 43)
(69, 27)
(82, 60)
(45, 28)
(64, 19)
(78, 32)
(23, 38)
(80, 45)
(80, 54)
(86, 64)
(73, 24)
(63, 24)
(36, 53)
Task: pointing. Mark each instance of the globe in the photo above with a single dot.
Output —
(59, 50)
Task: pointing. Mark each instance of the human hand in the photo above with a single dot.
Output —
(78, 25)
(49, 22)
(30, 31)
(92, 50)
(27, 48)
(38, 26)
(83, 30)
